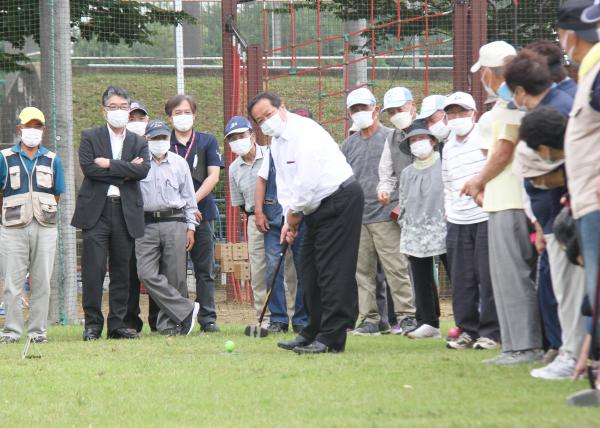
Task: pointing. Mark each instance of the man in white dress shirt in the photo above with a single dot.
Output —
(315, 184)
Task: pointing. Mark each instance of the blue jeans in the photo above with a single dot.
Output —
(588, 227)
(277, 304)
(548, 305)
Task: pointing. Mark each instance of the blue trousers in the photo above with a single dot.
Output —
(277, 303)
(548, 304)
(588, 227)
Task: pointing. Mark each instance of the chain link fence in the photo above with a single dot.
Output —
(61, 56)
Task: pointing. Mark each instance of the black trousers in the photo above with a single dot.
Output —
(108, 238)
(329, 255)
(427, 301)
(132, 318)
(203, 258)
(472, 294)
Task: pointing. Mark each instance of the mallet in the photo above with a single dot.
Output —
(257, 330)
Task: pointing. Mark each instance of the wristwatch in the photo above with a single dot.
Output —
(296, 213)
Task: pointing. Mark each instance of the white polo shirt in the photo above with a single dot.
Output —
(309, 164)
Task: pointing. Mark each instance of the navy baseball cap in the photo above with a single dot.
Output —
(591, 14)
(136, 105)
(156, 128)
(570, 17)
(237, 125)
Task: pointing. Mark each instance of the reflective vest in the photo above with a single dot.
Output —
(28, 196)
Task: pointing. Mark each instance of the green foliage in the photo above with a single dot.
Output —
(110, 21)
(386, 381)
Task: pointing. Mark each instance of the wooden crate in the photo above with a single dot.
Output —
(227, 265)
(241, 271)
(240, 251)
(223, 251)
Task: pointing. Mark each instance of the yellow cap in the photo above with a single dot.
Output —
(31, 113)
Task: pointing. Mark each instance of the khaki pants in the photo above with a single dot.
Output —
(382, 240)
(568, 284)
(28, 249)
(290, 281)
(258, 268)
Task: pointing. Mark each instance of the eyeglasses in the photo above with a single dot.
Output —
(124, 107)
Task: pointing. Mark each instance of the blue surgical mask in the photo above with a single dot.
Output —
(504, 92)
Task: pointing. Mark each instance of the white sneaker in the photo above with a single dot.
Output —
(425, 332)
(562, 367)
(486, 343)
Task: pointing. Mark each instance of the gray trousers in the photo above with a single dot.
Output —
(511, 262)
(161, 265)
(28, 249)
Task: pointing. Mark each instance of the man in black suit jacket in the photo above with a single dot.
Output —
(110, 212)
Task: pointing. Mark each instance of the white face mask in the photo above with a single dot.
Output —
(159, 147)
(242, 146)
(440, 130)
(273, 126)
(461, 126)
(362, 119)
(138, 128)
(488, 89)
(31, 137)
(421, 148)
(117, 118)
(183, 122)
(402, 120)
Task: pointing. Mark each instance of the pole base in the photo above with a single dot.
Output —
(586, 398)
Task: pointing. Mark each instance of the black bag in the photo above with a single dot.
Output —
(565, 233)
(200, 170)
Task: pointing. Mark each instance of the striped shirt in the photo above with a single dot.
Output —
(461, 161)
(242, 179)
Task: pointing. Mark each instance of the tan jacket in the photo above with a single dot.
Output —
(582, 148)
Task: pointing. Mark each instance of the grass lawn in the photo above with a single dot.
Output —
(177, 382)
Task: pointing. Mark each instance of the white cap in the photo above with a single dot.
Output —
(430, 105)
(396, 97)
(461, 99)
(493, 55)
(360, 96)
(482, 132)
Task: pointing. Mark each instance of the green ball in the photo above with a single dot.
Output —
(229, 346)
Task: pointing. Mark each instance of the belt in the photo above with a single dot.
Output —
(158, 215)
(150, 220)
(114, 199)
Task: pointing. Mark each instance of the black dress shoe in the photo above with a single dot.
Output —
(289, 345)
(91, 334)
(278, 327)
(123, 333)
(298, 328)
(315, 348)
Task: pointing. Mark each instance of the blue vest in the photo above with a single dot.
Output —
(28, 196)
(271, 207)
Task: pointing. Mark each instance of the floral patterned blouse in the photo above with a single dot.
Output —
(422, 217)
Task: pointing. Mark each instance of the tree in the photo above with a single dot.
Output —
(111, 21)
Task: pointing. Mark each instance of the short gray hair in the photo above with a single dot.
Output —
(115, 91)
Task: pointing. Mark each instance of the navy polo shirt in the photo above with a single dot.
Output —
(545, 204)
(595, 95)
(559, 100)
(209, 144)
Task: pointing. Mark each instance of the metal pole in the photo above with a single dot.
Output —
(478, 39)
(460, 44)
(179, 52)
(57, 104)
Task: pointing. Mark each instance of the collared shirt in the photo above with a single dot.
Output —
(242, 179)
(505, 191)
(309, 164)
(58, 173)
(207, 143)
(116, 146)
(461, 161)
(169, 185)
(364, 157)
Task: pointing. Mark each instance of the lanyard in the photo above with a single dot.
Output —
(187, 154)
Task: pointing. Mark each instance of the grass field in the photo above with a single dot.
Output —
(190, 382)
